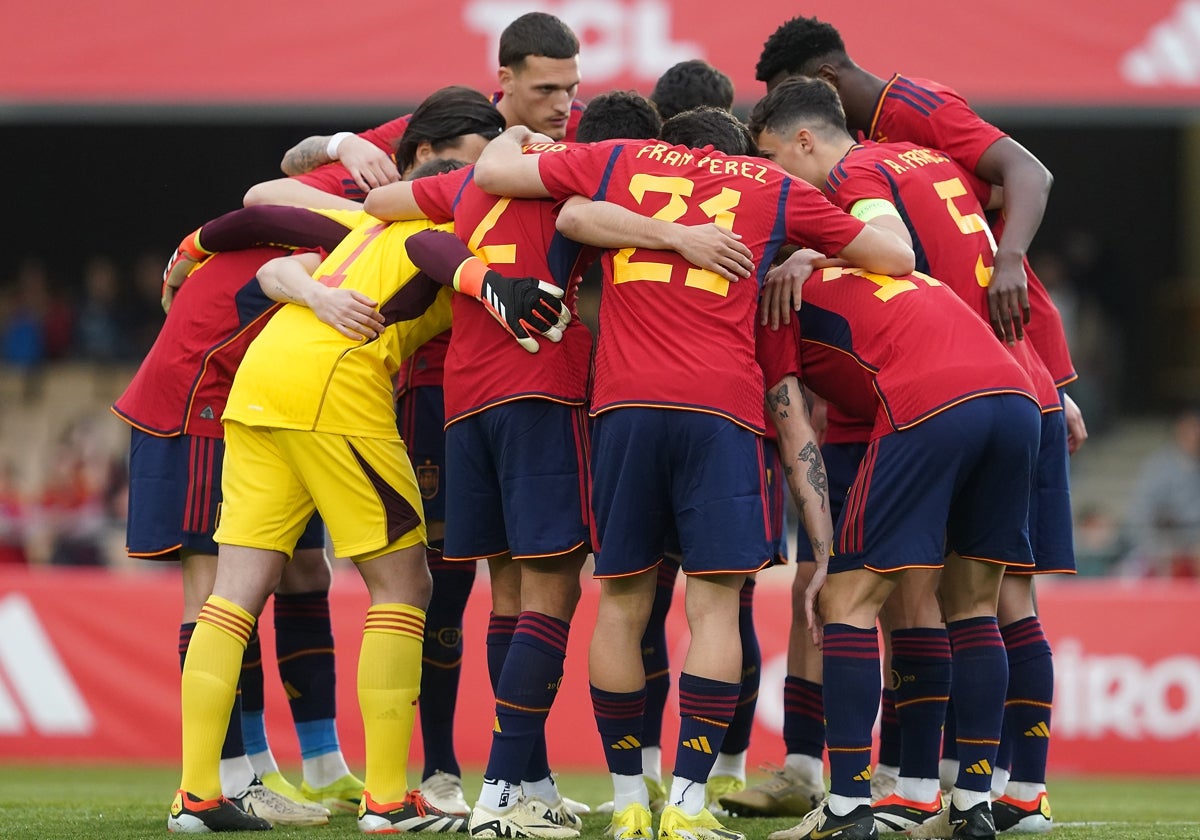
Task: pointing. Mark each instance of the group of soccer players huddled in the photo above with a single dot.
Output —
(849, 264)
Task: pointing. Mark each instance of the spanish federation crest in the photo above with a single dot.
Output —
(428, 479)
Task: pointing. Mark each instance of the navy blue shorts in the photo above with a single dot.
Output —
(517, 481)
(175, 495)
(421, 421)
(959, 481)
(1051, 530)
(841, 465)
(777, 489)
(654, 467)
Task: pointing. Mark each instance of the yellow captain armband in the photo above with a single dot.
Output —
(873, 208)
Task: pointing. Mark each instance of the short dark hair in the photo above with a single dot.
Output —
(435, 166)
(618, 115)
(443, 117)
(689, 84)
(536, 33)
(795, 45)
(811, 101)
(708, 126)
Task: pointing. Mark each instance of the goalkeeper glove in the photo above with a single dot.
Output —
(522, 305)
(187, 256)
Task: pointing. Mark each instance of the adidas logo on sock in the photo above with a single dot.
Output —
(864, 776)
(628, 742)
(701, 744)
(1039, 731)
(981, 768)
(1167, 55)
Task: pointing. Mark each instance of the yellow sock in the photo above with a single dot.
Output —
(210, 676)
(389, 682)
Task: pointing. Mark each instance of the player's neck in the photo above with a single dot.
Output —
(860, 92)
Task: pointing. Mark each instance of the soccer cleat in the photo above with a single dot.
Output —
(277, 809)
(677, 824)
(576, 807)
(894, 814)
(822, 824)
(559, 814)
(444, 791)
(883, 781)
(412, 813)
(975, 823)
(633, 822)
(1031, 817)
(277, 782)
(344, 794)
(718, 786)
(190, 815)
(785, 794)
(522, 820)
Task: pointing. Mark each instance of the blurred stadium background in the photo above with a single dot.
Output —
(125, 125)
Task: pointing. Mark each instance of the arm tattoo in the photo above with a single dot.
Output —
(779, 397)
(816, 474)
(306, 156)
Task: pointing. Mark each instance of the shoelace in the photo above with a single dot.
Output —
(418, 800)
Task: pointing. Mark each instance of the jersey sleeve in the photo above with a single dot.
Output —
(386, 136)
(578, 170)
(951, 126)
(778, 352)
(335, 179)
(814, 222)
(438, 196)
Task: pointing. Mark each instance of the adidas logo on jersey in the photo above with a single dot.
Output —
(1167, 55)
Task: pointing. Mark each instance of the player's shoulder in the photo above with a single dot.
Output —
(920, 94)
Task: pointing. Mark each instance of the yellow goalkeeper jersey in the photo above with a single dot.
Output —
(302, 374)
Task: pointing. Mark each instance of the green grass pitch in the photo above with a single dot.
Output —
(122, 803)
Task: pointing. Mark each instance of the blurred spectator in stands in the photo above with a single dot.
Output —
(13, 513)
(98, 335)
(37, 321)
(1163, 519)
(75, 511)
(143, 315)
(1098, 541)
(1070, 277)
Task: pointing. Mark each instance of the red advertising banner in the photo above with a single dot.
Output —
(1020, 52)
(89, 672)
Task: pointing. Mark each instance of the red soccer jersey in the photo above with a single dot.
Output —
(674, 335)
(517, 238)
(933, 115)
(942, 206)
(182, 384)
(900, 349)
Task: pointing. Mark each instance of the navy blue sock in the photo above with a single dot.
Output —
(803, 717)
(305, 652)
(889, 727)
(950, 728)
(705, 709)
(441, 661)
(852, 690)
(921, 667)
(979, 681)
(499, 637)
(737, 737)
(529, 683)
(655, 656)
(1030, 697)
(619, 722)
